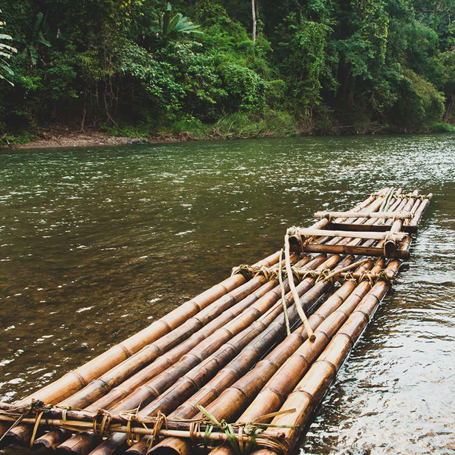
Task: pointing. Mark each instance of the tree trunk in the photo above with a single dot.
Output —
(253, 10)
(449, 109)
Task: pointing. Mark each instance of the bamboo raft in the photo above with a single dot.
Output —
(242, 367)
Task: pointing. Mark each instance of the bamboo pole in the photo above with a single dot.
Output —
(295, 294)
(402, 215)
(143, 431)
(153, 389)
(351, 234)
(286, 378)
(76, 379)
(73, 444)
(311, 389)
(167, 360)
(420, 211)
(234, 399)
(357, 250)
(283, 351)
(70, 383)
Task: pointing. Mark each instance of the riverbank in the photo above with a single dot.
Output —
(234, 126)
(68, 138)
(59, 136)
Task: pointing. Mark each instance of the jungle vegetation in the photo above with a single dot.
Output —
(227, 68)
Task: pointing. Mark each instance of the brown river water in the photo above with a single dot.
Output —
(97, 243)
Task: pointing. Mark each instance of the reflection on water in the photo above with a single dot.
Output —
(95, 244)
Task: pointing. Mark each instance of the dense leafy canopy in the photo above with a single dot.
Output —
(149, 67)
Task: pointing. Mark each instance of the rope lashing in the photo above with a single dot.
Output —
(422, 197)
(249, 272)
(160, 420)
(35, 428)
(383, 275)
(101, 423)
(268, 273)
(340, 275)
(250, 431)
(36, 407)
(243, 437)
(323, 275)
(245, 270)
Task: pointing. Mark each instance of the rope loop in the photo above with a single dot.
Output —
(367, 276)
(101, 423)
(349, 276)
(323, 275)
(35, 428)
(296, 274)
(309, 274)
(293, 230)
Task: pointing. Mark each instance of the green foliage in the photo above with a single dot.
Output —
(308, 60)
(442, 128)
(6, 52)
(429, 102)
(245, 88)
(250, 125)
(32, 42)
(173, 28)
(142, 66)
(419, 104)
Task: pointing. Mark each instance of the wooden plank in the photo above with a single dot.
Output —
(396, 215)
(352, 234)
(368, 227)
(349, 249)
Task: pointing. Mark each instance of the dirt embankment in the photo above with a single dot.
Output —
(63, 137)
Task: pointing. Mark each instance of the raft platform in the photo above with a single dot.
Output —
(242, 367)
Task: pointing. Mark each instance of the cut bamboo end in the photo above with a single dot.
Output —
(170, 446)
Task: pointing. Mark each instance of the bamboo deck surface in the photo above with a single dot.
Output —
(233, 370)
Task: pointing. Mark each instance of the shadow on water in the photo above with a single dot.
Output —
(95, 244)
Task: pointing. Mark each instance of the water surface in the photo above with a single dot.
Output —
(97, 243)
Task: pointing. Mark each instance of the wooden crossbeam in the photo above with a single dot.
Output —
(400, 253)
(370, 235)
(369, 227)
(388, 215)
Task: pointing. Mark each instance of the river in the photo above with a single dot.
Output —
(97, 243)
